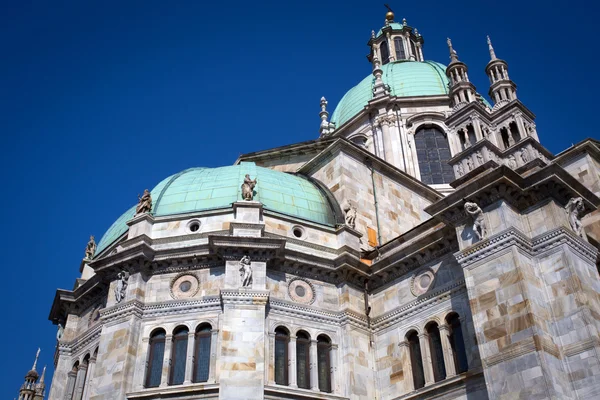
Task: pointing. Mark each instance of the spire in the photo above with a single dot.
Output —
(36, 359)
(453, 55)
(43, 375)
(326, 126)
(491, 48)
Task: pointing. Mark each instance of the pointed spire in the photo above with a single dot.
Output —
(43, 375)
(453, 55)
(491, 48)
(36, 358)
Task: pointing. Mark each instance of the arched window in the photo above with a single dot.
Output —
(385, 52)
(302, 359)
(457, 342)
(437, 353)
(323, 363)
(514, 132)
(471, 134)
(71, 378)
(416, 361)
(156, 354)
(414, 50)
(399, 45)
(282, 340)
(433, 154)
(202, 353)
(179, 355)
(505, 138)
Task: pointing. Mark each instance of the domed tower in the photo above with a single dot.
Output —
(31, 388)
(399, 111)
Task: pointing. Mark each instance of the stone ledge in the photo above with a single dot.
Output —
(245, 296)
(199, 390)
(286, 392)
(440, 388)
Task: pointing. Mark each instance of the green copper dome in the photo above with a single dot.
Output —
(199, 189)
(405, 79)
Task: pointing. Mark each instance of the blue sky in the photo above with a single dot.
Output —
(100, 100)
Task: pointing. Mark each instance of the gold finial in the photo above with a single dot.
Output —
(389, 16)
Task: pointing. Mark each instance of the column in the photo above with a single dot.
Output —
(80, 381)
(141, 366)
(270, 353)
(314, 373)
(214, 336)
(426, 355)
(409, 384)
(522, 131)
(189, 359)
(333, 364)
(477, 128)
(420, 48)
(447, 349)
(88, 379)
(164, 380)
(292, 377)
(391, 48)
(387, 142)
(71, 377)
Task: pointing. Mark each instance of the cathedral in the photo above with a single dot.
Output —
(424, 245)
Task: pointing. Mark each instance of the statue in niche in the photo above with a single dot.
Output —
(479, 158)
(248, 188)
(90, 249)
(573, 208)
(144, 204)
(460, 170)
(121, 288)
(246, 271)
(512, 161)
(476, 214)
(349, 214)
(60, 331)
(524, 155)
(469, 164)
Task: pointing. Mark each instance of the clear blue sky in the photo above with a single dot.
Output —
(99, 100)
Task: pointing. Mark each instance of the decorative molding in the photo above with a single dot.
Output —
(244, 297)
(304, 284)
(429, 299)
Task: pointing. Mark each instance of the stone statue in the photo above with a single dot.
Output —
(349, 214)
(60, 331)
(246, 271)
(145, 203)
(512, 161)
(469, 164)
(524, 155)
(248, 188)
(121, 287)
(573, 208)
(479, 158)
(90, 249)
(476, 214)
(460, 170)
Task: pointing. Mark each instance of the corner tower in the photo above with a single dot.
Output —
(31, 388)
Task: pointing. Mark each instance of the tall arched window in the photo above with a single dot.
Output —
(457, 342)
(202, 353)
(399, 45)
(433, 154)
(282, 340)
(437, 353)
(179, 355)
(302, 359)
(156, 354)
(385, 52)
(323, 363)
(514, 132)
(416, 361)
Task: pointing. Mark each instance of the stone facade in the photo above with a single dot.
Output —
(411, 301)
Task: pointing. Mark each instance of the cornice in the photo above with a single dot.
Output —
(536, 247)
(427, 300)
(82, 341)
(244, 297)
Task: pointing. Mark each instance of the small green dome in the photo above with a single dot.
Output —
(405, 79)
(200, 189)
